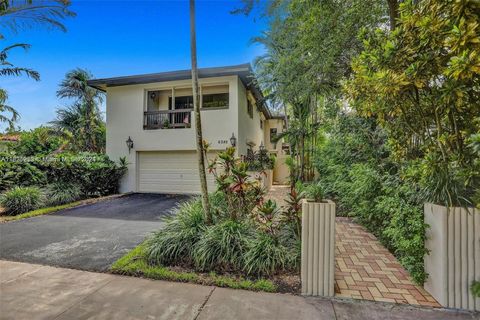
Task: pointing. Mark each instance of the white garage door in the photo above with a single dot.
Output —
(170, 172)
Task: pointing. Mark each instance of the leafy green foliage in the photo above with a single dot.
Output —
(475, 287)
(428, 102)
(267, 217)
(260, 161)
(136, 263)
(42, 211)
(38, 142)
(266, 256)
(173, 245)
(93, 175)
(315, 191)
(59, 193)
(22, 199)
(83, 119)
(356, 170)
(15, 173)
(242, 192)
(221, 246)
(292, 214)
(96, 174)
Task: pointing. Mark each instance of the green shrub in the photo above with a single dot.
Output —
(96, 174)
(22, 199)
(475, 288)
(38, 142)
(17, 173)
(266, 256)
(59, 193)
(356, 171)
(221, 246)
(175, 242)
(315, 191)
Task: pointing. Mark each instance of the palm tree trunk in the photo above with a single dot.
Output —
(196, 111)
(393, 6)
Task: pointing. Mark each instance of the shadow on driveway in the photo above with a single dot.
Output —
(89, 237)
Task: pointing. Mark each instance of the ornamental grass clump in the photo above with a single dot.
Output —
(59, 193)
(173, 245)
(222, 246)
(22, 199)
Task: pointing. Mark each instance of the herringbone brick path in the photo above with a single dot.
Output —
(364, 268)
(367, 270)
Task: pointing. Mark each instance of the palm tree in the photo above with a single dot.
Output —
(87, 99)
(16, 15)
(196, 111)
(71, 123)
(4, 109)
(8, 69)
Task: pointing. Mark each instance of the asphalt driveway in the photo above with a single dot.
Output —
(89, 237)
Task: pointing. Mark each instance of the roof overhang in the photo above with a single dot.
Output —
(243, 71)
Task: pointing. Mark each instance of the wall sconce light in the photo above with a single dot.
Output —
(233, 140)
(129, 143)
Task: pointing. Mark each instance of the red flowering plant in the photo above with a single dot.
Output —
(242, 192)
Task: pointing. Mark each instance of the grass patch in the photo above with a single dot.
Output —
(135, 264)
(41, 211)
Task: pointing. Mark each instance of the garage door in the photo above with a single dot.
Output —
(170, 172)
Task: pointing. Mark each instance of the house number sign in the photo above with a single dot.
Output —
(222, 141)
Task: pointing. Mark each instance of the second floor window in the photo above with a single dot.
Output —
(273, 134)
(250, 109)
(215, 100)
(182, 102)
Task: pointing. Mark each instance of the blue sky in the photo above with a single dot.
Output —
(114, 38)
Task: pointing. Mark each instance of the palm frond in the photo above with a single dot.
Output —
(16, 15)
(17, 72)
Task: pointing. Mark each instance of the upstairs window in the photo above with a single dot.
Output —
(215, 96)
(250, 109)
(261, 124)
(215, 100)
(185, 102)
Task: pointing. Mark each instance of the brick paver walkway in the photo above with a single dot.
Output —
(364, 268)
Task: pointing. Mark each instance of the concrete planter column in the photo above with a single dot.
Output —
(453, 262)
(318, 248)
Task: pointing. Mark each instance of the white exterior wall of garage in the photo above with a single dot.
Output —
(154, 152)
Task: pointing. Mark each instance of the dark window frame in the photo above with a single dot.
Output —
(250, 109)
(220, 105)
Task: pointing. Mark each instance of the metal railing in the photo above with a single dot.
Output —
(167, 119)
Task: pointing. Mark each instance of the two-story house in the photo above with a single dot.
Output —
(150, 121)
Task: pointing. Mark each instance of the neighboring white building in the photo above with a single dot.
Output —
(155, 112)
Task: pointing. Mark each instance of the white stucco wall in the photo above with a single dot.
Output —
(125, 107)
(248, 128)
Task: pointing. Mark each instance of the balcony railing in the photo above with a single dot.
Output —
(167, 119)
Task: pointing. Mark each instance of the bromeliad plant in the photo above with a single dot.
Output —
(242, 192)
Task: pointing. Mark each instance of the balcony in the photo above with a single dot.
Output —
(167, 119)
